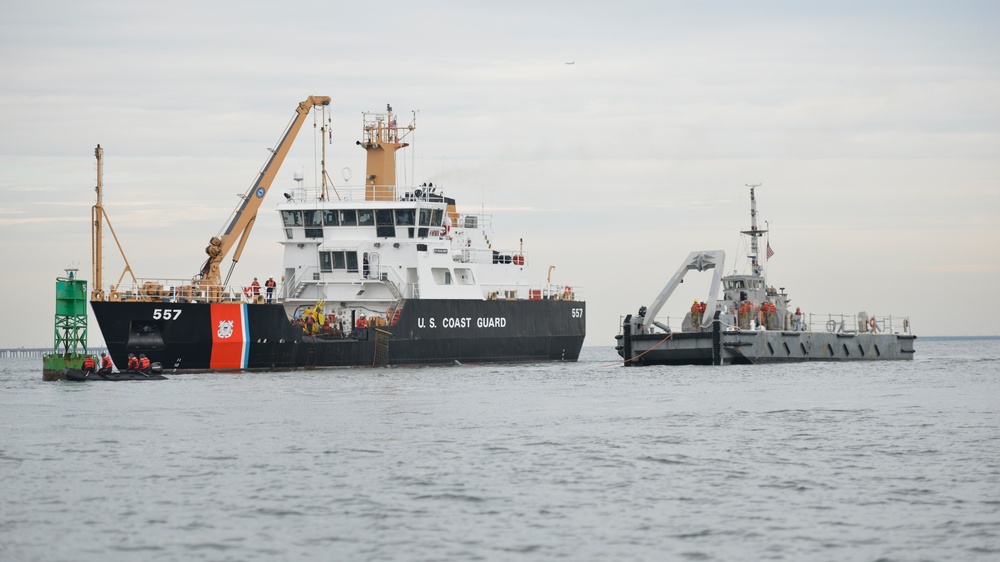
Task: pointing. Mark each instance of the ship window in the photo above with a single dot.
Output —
(314, 233)
(352, 262)
(330, 218)
(425, 217)
(422, 232)
(404, 217)
(421, 247)
(313, 218)
(291, 218)
(330, 261)
(288, 233)
(384, 226)
(349, 217)
(366, 217)
(339, 262)
(436, 217)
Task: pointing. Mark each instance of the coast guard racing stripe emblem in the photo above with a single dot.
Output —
(230, 340)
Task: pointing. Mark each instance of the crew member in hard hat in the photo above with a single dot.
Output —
(695, 315)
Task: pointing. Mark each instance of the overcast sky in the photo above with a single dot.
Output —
(873, 127)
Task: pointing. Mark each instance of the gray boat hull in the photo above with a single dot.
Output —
(761, 346)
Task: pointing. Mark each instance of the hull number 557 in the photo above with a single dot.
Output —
(166, 313)
(576, 313)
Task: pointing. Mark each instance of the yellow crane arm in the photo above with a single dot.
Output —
(243, 218)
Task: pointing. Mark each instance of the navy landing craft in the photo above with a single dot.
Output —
(752, 323)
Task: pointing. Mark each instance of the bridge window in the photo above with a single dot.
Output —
(348, 217)
(425, 218)
(313, 218)
(291, 218)
(405, 217)
(366, 217)
(383, 224)
(314, 233)
(437, 215)
(331, 218)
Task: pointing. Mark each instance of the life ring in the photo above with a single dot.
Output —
(872, 324)
(114, 296)
(98, 295)
(831, 325)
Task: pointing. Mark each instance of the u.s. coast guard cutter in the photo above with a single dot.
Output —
(752, 322)
(380, 274)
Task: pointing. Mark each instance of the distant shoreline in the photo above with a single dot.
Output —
(943, 338)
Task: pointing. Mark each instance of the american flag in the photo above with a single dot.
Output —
(770, 252)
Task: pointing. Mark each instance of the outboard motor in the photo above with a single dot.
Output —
(156, 368)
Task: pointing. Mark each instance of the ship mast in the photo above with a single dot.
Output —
(754, 233)
(381, 138)
(97, 225)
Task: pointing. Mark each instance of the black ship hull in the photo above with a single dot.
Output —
(199, 337)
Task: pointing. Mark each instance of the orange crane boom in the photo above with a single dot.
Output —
(243, 218)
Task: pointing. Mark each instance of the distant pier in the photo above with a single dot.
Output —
(39, 351)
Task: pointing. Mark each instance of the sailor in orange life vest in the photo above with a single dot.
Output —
(133, 362)
(88, 365)
(360, 324)
(270, 284)
(143, 363)
(105, 364)
(797, 319)
(255, 288)
(695, 315)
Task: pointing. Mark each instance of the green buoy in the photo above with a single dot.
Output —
(70, 347)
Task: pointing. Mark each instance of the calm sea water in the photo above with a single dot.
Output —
(578, 461)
